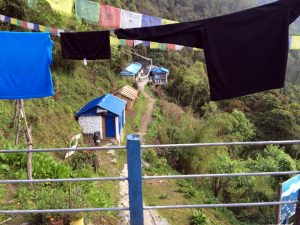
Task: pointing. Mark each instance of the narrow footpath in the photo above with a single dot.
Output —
(151, 217)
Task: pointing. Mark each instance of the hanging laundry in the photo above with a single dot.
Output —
(86, 45)
(130, 19)
(110, 17)
(295, 43)
(64, 6)
(148, 21)
(24, 64)
(246, 52)
(88, 10)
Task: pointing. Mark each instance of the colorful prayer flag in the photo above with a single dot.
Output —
(88, 10)
(122, 42)
(130, 19)
(48, 29)
(2, 18)
(7, 19)
(178, 47)
(42, 28)
(36, 27)
(13, 21)
(148, 21)
(53, 30)
(65, 6)
(154, 45)
(171, 47)
(24, 24)
(295, 43)
(165, 21)
(129, 43)
(114, 41)
(19, 23)
(147, 44)
(137, 42)
(30, 26)
(110, 16)
(162, 46)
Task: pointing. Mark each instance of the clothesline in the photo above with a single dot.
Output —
(245, 52)
(57, 31)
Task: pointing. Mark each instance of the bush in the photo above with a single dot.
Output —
(198, 218)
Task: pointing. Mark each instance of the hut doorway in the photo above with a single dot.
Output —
(110, 127)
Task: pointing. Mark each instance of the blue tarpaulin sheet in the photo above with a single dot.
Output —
(290, 192)
(24, 65)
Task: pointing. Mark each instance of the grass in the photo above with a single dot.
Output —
(181, 192)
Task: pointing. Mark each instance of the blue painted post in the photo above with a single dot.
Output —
(134, 160)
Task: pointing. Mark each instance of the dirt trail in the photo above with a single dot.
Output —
(151, 217)
(147, 117)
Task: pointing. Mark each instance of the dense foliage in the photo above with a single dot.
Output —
(183, 114)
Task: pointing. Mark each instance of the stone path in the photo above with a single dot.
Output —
(151, 217)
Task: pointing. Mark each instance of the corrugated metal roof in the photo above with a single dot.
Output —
(128, 92)
(108, 102)
(132, 69)
(160, 70)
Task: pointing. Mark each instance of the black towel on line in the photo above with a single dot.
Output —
(86, 45)
(246, 52)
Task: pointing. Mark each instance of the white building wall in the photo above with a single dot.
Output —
(90, 124)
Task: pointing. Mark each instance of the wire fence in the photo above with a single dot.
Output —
(135, 178)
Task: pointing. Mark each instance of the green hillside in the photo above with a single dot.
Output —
(182, 114)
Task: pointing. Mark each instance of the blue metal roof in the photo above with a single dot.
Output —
(132, 69)
(160, 70)
(108, 102)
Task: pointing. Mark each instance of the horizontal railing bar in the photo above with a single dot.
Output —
(154, 146)
(66, 149)
(64, 180)
(62, 210)
(254, 204)
(221, 175)
(288, 142)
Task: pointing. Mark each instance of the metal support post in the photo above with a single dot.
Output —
(134, 161)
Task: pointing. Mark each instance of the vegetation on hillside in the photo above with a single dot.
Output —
(183, 114)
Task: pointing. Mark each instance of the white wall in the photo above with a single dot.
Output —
(90, 124)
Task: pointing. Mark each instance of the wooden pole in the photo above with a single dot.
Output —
(18, 114)
(278, 209)
(27, 132)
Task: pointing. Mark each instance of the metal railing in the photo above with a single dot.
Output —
(135, 178)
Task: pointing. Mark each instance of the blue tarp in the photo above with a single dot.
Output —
(290, 192)
(24, 65)
(131, 70)
(160, 70)
(107, 102)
